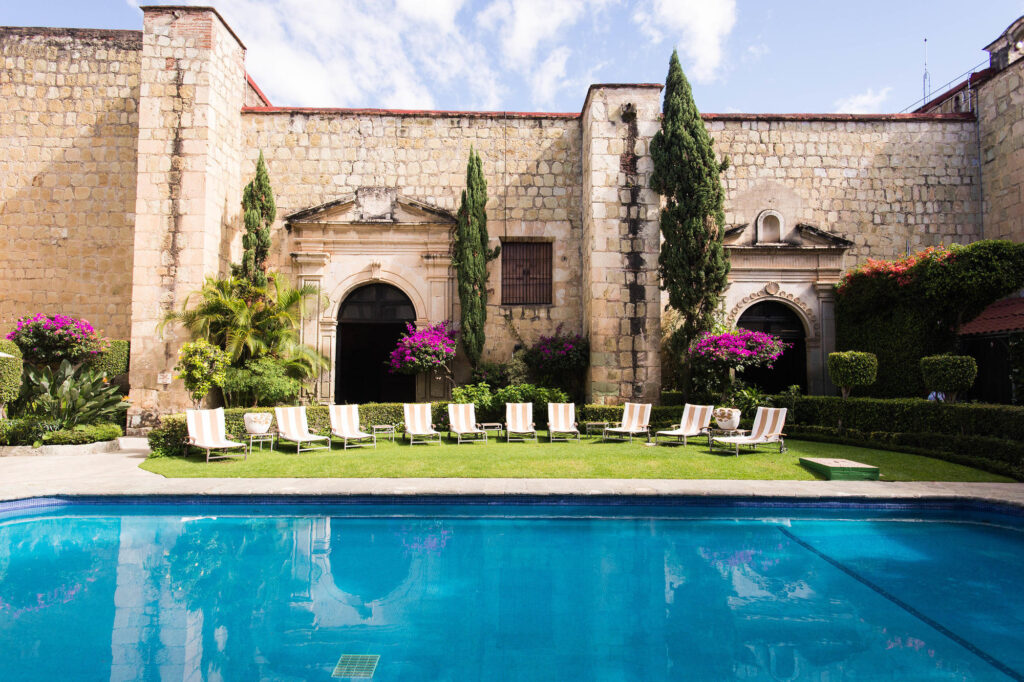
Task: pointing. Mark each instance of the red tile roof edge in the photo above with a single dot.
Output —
(1006, 315)
(259, 93)
(976, 79)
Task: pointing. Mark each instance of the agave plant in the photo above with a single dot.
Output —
(69, 395)
(251, 322)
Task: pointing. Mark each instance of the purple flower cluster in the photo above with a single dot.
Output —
(422, 350)
(559, 353)
(45, 339)
(739, 348)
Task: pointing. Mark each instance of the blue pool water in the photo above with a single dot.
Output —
(102, 591)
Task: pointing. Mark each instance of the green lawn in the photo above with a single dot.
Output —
(589, 459)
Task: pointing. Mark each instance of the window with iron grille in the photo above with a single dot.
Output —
(525, 273)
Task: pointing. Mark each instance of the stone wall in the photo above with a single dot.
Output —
(68, 130)
(885, 182)
(1001, 117)
(621, 238)
(531, 164)
(191, 95)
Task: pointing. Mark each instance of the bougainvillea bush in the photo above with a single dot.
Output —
(49, 339)
(559, 360)
(716, 357)
(423, 350)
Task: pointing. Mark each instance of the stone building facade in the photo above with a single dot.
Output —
(124, 156)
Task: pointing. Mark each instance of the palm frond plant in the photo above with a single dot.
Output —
(250, 325)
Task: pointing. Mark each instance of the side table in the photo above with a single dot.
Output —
(260, 438)
(387, 429)
(590, 426)
(494, 427)
(715, 433)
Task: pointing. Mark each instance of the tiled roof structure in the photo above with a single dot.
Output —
(1002, 316)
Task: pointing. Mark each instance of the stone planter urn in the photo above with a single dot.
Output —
(727, 418)
(257, 422)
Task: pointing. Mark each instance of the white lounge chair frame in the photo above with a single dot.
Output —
(206, 430)
(418, 424)
(636, 418)
(768, 425)
(462, 422)
(696, 421)
(292, 426)
(562, 420)
(519, 422)
(345, 425)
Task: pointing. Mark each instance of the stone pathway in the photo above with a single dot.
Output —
(118, 473)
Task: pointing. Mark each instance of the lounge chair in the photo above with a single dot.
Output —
(635, 422)
(695, 421)
(462, 422)
(292, 425)
(519, 422)
(345, 425)
(562, 420)
(206, 430)
(418, 425)
(768, 424)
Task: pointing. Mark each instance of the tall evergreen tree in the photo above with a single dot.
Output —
(259, 212)
(470, 257)
(692, 264)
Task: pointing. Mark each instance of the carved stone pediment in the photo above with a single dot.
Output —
(802, 236)
(369, 206)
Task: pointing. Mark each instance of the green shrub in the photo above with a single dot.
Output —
(260, 382)
(851, 368)
(480, 395)
(49, 339)
(24, 431)
(559, 361)
(949, 374)
(10, 373)
(528, 393)
(69, 395)
(83, 434)
(201, 366)
(673, 398)
(493, 374)
(113, 361)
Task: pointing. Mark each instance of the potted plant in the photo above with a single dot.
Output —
(727, 418)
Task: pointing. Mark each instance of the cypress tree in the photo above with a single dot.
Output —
(470, 257)
(692, 264)
(259, 212)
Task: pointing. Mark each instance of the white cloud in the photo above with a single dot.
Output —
(523, 25)
(548, 78)
(698, 28)
(357, 53)
(754, 52)
(867, 102)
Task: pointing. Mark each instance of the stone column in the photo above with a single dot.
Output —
(827, 317)
(309, 267)
(192, 81)
(621, 302)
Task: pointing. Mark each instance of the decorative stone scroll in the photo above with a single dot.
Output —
(772, 291)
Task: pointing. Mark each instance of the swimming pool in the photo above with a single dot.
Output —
(499, 589)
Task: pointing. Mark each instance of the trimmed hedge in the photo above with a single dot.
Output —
(10, 372)
(989, 437)
(169, 437)
(35, 432)
(852, 368)
(949, 374)
(113, 361)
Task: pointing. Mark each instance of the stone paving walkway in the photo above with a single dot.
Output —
(118, 473)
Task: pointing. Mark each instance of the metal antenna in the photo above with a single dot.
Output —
(926, 82)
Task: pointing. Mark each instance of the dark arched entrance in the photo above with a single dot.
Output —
(369, 323)
(778, 319)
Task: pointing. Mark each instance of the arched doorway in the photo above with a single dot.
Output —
(370, 321)
(779, 319)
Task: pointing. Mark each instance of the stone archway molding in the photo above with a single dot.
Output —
(773, 292)
(379, 271)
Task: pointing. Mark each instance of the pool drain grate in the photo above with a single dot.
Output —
(355, 666)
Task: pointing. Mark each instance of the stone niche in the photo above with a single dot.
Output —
(374, 235)
(796, 266)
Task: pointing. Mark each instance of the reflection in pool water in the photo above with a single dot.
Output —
(93, 593)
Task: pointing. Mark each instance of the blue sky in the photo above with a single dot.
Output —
(540, 55)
